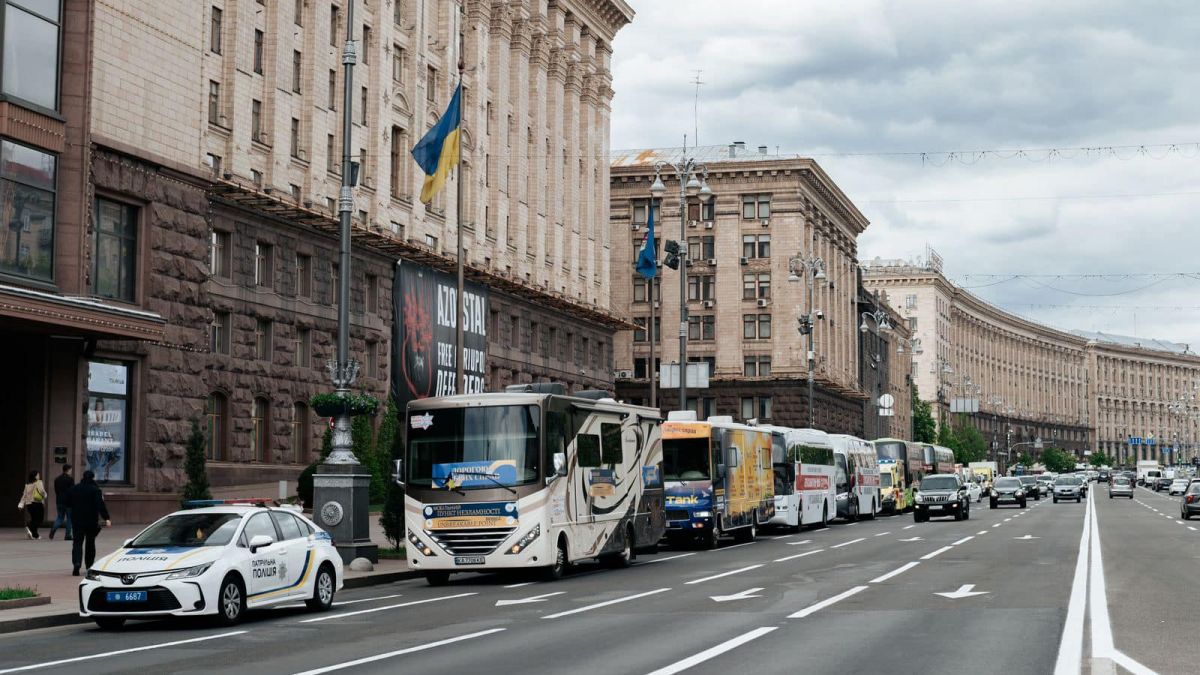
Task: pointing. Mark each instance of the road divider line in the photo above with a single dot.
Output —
(523, 583)
(936, 553)
(908, 527)
(813, 609)
(1102, 637)
(1129, 664)
(1191, 528)
(606, 603)
(119, 652)
(658, 560)
(696, 659)
(1070, 646)
(1179, 521)
(727, 548)
(981, 532)
(798, 543)
(882, 534)
(344, 615)
(724, 574)
(401, 652)
(899, 570)
(963, 540)
(847, 543)
(997, 524)
(798, 555)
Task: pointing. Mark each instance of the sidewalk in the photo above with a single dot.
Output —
(46, 565)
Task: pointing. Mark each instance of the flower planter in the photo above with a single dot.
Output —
(332, 405)
(17, 603)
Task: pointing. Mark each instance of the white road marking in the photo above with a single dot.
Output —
(911, 539)
(658, 560)
(813, 609)
(1179, 521)
(785, 536)
(119, 652)
(1129, 664)
(982, 532)
(749, 543)
(696, 659)
(882, 534)
(798, 555)
(847, 543)
(899, 570)
(1102, 638)
(1007, 519)
(963, 540)
(352, 602)
(400, 652)
(936, 553)
(1070, 646)
(1026, 537)
(997, 524)
(531, 599)
(343, 615)
(606, 603)
(525, 583)
(744, 595)
(798, 543)
(963, 591)
(1191, 528)
(724, 574)
(908, 527)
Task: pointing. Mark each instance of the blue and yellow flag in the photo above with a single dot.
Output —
(647, 261)
(438, 150)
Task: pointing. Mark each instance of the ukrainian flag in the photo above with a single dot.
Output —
(438, 150)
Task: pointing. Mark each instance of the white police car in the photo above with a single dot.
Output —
(218, 560)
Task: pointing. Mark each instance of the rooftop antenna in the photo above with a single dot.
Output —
(696, 109)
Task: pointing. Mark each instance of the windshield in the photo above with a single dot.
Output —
(939, 483)
(470, 448)
(1028, 480)
(1121, 481)
(189, 529)
(1066, 480)
(1007, 483)
(891, 450)
(885, 480)
(685, 459)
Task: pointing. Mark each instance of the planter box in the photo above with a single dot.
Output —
(25, 602)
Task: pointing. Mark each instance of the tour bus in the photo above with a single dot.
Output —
(937, 459)
(529, 478)
(804, 477)
(907, 454)
(893, 489)
(857, 476)
(718, 478)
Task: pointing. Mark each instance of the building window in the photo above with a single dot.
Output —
(640, 211)
(362, 117)
(331, 158)
(702, 327)
(332, 90)
(214, 102)
(214, 35)
(219, 333)
(108, 424)
(217, 413)
(398, 151)
(912, 324)
(910, 301)
(372, 294)
(756, 206)
(27, 200)
(256, 132)
(755, 286)
(756, 366)
(702, 287)
(334, 19)
(397, 63)
(756, 326)
(31, 51)
(756, 246)
(258, 51)
(256, 177)
(214, 163)
(303, 348)
(398, 12)
(260, 437)
(116, 250)
(303, 275)
(366, 45)
(334, 273)
(295, 138)
(701, 248)
(372, 359)
(220, 251)
(297, 59)
(756, 407)
(262, 339)
(301, 433)
(639, 333)
(641, 289)
(431, 84)
(298, 13)
(431, 241)
(264, 264)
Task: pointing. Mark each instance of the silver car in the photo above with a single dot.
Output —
(1120, 486)
(1068, 487)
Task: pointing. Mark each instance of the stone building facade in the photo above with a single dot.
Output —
(742, 308)
(885, 367)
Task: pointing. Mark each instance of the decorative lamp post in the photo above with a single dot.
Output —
(810, 269)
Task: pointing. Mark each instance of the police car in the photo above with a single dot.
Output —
(215, 560)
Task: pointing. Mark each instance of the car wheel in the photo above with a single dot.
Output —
(231, 601)
(109, 622)
(713, 540)
(1056, 500)
(1187, 515)
(874, 508)
(1022, 504)
(559, 568)
(621, 560)
(323, 590)
(993, 504)
(967, 511)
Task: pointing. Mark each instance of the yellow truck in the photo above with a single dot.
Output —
(893, 490)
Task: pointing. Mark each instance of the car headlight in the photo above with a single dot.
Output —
(994, 494)
(189, 572)
(920, 498)
(525, 541)
(93, 575)
(702, 514)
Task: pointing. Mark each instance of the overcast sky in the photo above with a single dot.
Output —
(862, 76)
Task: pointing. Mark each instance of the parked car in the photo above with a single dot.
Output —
(974, 491)
(1031, 487)
(1190, 504)
(1120, 486)
(941, 495)
(1008, 490)
(1068, 487)
(1178, 486)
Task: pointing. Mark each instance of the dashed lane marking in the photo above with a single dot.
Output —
(936, 553)
(724, 574)
(963, 540)
(798, 555)
(813, 609)
(899, 570)
(847, 543)
(696, 659)
(400, 652)
(606, 603)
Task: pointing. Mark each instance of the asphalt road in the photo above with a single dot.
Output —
(853, 598)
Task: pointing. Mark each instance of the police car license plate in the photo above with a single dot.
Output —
(468, 560)
(127, 596)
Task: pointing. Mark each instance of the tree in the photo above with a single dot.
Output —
(1025, 459)
(193, 465)
(924, 429)
(947, 438)
(1100, 459)
(973, 446)
(390, 446)
(1058, 460)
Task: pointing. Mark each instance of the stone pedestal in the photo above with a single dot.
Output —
(341, 497)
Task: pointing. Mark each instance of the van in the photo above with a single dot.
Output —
(893, 491)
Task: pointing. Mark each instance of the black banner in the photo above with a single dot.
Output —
(423, 359)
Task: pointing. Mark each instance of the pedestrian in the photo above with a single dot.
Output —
(86, 504)
(33, 503)
(62, 517)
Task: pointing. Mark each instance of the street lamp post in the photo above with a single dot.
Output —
(686, 171)
(811, 269)
(880, 318)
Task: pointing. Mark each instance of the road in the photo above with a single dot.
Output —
(1026, 594)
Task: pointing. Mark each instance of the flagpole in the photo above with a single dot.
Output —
(653, 371)
(459, 340)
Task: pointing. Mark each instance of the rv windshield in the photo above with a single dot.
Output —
(885, 480)
(891, 450)
(685, 459)
(472, 448)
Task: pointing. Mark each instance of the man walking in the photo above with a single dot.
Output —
(86, 504)
(62, 485)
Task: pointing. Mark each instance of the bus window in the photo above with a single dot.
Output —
(610, 444)
(810, 455)
(785, 478)
(685, 459)
(588, 447)
(840, 475)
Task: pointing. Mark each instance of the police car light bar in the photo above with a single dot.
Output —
(247, 501)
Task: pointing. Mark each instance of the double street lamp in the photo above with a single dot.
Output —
(693, 182)
(810, 269)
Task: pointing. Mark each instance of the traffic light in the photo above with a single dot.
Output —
(672, 258)
(804, 324)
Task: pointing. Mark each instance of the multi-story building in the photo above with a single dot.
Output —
(742, 307)
(175, 257)
(885, 367)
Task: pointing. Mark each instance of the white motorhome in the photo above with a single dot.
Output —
(857, 477)
(805, 477)
(529, 478)
(1147, 468)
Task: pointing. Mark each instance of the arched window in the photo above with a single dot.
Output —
(301, 433)
(217, 412)
(260, 444)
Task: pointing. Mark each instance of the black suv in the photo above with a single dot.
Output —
(1006, 490)
(941, 495)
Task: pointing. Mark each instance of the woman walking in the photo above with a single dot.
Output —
(33, 502)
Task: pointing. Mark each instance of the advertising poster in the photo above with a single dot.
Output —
(423, 359)
(108, 391)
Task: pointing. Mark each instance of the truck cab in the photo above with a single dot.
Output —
(894, 493)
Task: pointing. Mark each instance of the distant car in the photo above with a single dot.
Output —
(1178, 486)
(941, 495)
(1030, 484)
(974, 491)
(1190, 504)
(1046, 483)
(1008, 490)
(1162, 483)
(1103, 477)
(1120, 486)
(1068, 487)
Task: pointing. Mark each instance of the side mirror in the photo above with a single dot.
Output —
(398, 476)
(720, 471)
(260, 541)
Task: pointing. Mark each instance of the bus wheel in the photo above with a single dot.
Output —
(559, 568)
(874, 508)
(625, 556)
(825, 516)
(852, 510)
(437, 578)
(713, 540)
(749, 533)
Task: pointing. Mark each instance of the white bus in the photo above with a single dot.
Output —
(805, 477)
(529, 478)
(857, 471)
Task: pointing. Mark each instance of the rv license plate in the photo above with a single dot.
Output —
(127, 596)
(468, 560)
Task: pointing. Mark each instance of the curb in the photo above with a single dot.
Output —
(68, 618)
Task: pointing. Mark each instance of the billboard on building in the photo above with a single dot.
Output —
(423, 334)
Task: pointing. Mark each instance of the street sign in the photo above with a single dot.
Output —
(887, 401)
(964, 405)
(1135, 440)
(697, 375)
(887, 412)
(1151, 441)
